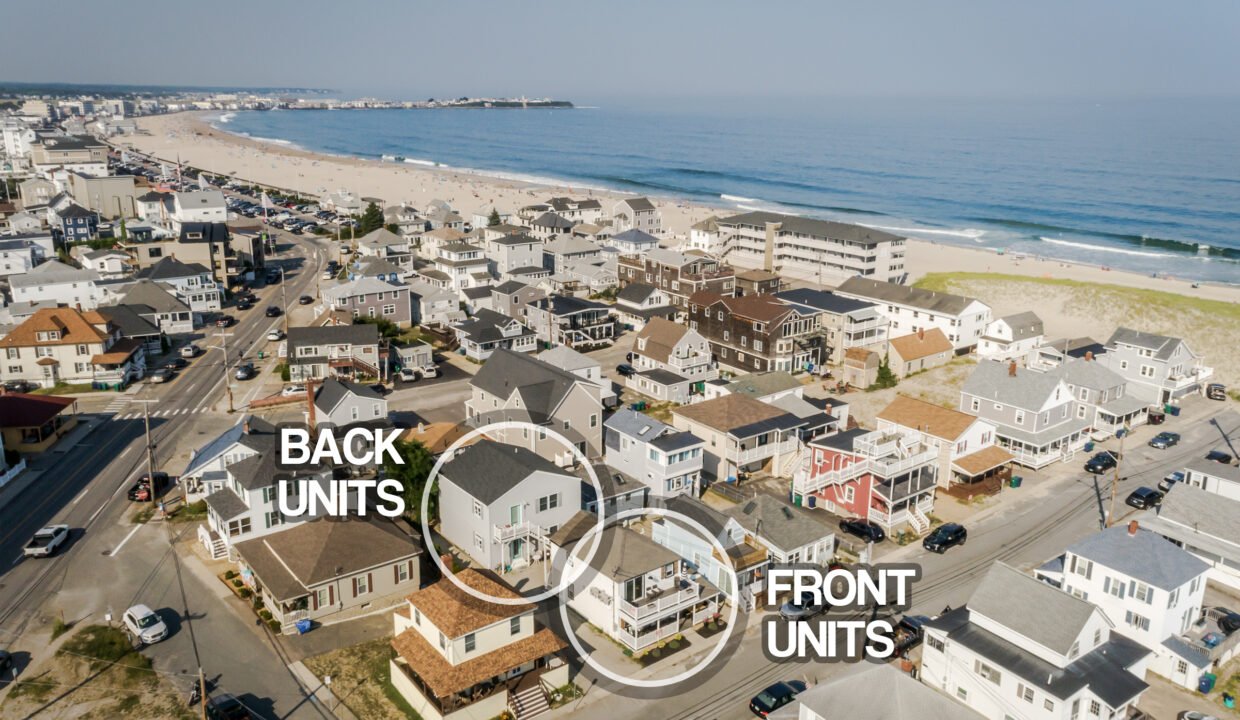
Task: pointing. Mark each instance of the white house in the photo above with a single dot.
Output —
(53, 280)
(1013, 336)
(206, 206)
(1205, 525)
(962, 319)
(664, 459)
(341, 402)
(17, 256)
(1022, 649)
(1222, 479)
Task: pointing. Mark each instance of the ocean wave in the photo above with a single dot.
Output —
(1104, 248)
(425, 163)
(967, 233)
(737, 198)
(226, 118)
(1177, 247)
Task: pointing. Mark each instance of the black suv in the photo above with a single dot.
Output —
(274, 311)
(1102, 462)
(1144, 498)
(945, 536)
(864, 529)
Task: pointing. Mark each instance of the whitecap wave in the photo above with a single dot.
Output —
(425, 163)
(738, 198)
(226, 117)
(967, 233)
(1104, 248)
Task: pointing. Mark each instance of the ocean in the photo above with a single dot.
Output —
(1152, 187)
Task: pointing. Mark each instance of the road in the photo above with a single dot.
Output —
(111, 564)
(1033, 529)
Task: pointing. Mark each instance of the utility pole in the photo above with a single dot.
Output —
(1115, 478)
(202, 691)
(227, 387)
(284, 298)
(150, 448)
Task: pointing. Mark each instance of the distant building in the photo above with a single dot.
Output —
(678, 275)
(1011, 337)
(1159, 369)
(963, 320)
(636, 214)
(756, 332)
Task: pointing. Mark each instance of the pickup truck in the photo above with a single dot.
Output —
(45, 541)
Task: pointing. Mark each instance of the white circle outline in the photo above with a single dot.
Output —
(727, 631)
(434, 475)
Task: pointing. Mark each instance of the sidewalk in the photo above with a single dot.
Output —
(37, 465)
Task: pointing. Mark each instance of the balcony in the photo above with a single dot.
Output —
(637, 641)
(523, 530)
(762, 452)
(1180, 381)
(662, 603)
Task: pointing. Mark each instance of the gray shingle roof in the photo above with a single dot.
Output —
(153, 295)
(485, 326)
(639, 204)
(1146, 556)
(885, 292)
(636, 293)
(812, 227)
(1162, 345)
(487, 469)
(1031, 608)
(1024, 324)
(358, 334)
(170, 268)
(634, 235)
(779, 522)
(1029, 389)
(542, 386)
(332, 391)
(876, 692)
(129, 319)
(1202, 512)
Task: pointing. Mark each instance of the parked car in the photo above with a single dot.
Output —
(1171, 479)
(46, 541)
(274, 311)
(804, 608)
(305, 300)
(144, 624)
(1164, 440)
(275, 334)
(1102, 462)
(944, 537)
(18, 386)
(775, 697)
(1194, 715)
(1229, 622)
(626, 370)
(244, 305)
(224, 321)
(1144, 498)
(1216, 391)
(245, 371)
(1218, 456)
(291, 390)
(190, 351)
(865, 529)
(141, 490)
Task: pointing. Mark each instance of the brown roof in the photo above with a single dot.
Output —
(728, 412)
(75, 328)
(120, 351)
(292, 561)
(763, 308)
(756, 275)
(858, 355)
(456, 612)
(444, 678)
(574, 529)
(929, 418)
(915, 346)
(661, 336)
(437, 437)
(22, 410)
(985, 459)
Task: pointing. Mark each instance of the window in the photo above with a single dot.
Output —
(975, 405)
(514, 625)
(443, 642)
(272, 519)
(549, 502)
(1136, 621)
(362, 583)
(594, 420)
(417, 616)
(389, 309)
(471, 642)
(1049, 705)
(1082, 567)
(402, 572)
(1142, 592)
(1115, 587)
(935, 643)
(1020, 417)
(987, 672)
(1095, 708)
(477, 509)
(1080, 412)
(1024, 693)
(962, 693)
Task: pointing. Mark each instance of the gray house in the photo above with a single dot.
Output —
(373, 298)
(315, 353)
(341, 402)
(498, 503)
(664, 459)
(1158, 368)
(488, 332)
(433, 305)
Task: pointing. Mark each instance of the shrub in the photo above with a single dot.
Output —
(265, 615)
(274, 625)
(237, 582)
(245, 592)
(230, 574)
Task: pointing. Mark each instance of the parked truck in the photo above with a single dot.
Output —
(46, 541)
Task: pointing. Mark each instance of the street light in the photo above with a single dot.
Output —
(227, 387)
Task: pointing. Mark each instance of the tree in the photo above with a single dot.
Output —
(885, 378)
(494, 219)
(412, 475)
(393, 228)
(371, 220)
(124, 232)
(387, 328)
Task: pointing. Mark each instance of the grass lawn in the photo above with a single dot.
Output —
(65, 389)
(361, 680)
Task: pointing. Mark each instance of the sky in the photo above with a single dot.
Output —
(586, 51)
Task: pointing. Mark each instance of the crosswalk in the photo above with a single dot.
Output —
(161, 413)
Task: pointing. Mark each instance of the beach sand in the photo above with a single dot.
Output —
(189, 137)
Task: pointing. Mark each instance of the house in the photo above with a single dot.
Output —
(199, 206)
(766, 387)
(636, 214)
(228, 252)
(498, 504)
(583, 366)
(432, 305)
(745, 557)
(1202, 523)
(1159, 369)
(33, 423)
(158, 306)
(24, 222)
(678, 275)
(153, 206)
(586, 276)
(36, 192)
(563, 251)
(922, 350)
(488, 331)
(637, 592)
(549, 226)
(512, 386)
(375, 268)
(753, 333)
(349, 351)
(387, 245)
(878, 692)
(588, 210)
(63, 345)
(965, 444)
(675, 348)
(108, 263)
(1033, 412)
(789, 534)
(77, 153)
(111, 197)
(326, 568)
(477, 298)
(666, 460)
(886, 476)
(632, 241)
(1021, 648)
(54, 280)
(1012, 337)
(430, 242)
(860, 368)
(242, 497)
(909, 309)
(451, 648)
(407, 220)
(1102, 396)
(340, 403)
(808, 249)
(620, 492)
(742, 435)
(371, 298)
(1054, 353)
(516, 250)
(638, 303)
(249, 437)
(572, 321)
(510, 298)
(191, 282)
(18, 257)
(465, 265)
(757, 282)
(1150, 590)
(133, 324)
(1222, 479)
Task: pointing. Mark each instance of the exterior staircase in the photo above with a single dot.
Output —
(214, 544)
(918, 520)
(528, 702)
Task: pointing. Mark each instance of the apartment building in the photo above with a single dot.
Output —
(846, 322)
(678, 275)
(755, 333)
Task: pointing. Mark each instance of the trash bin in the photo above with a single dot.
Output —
(1016, 480)
(1089, 446)
(811, 500)
(1173, 410)
(1206, 684)
(303, 627)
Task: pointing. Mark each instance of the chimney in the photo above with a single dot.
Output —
(1012, 368)
(1089, 355)
(77, 306)
(245, 426)
(421, 428)
(1133, 526)
(921, 333)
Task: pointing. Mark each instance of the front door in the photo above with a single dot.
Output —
(514, 515)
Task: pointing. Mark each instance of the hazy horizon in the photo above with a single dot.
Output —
(690, 50)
